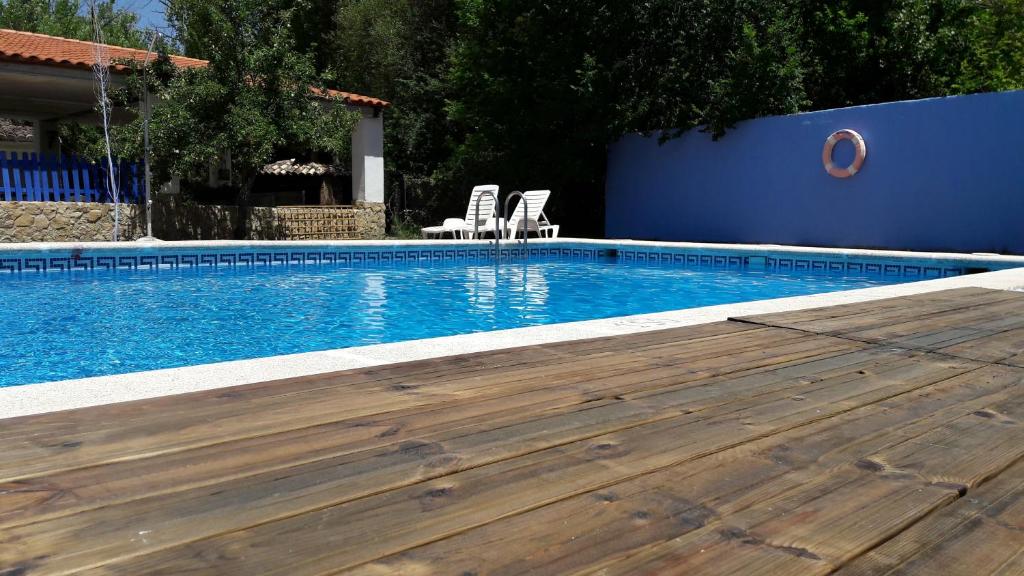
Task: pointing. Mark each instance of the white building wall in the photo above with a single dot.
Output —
(368, 157)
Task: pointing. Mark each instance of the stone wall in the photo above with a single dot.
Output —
(62, 221)
(370, 220)
(83, 222)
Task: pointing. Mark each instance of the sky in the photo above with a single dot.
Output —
(151, 12)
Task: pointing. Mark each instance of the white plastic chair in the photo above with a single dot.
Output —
(463, 227)
(533, 212)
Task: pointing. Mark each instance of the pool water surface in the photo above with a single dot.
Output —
(56, 327)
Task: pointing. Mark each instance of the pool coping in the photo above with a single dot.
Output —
(45, 397)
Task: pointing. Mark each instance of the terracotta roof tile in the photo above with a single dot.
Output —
(32, 48)
(51, 50)
(13, 131)
(292, 168)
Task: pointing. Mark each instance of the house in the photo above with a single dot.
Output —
(46, 79)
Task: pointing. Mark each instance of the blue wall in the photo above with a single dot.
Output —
(940, 174)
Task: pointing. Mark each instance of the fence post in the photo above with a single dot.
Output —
(4, 177)
(58, 179)
(135, 181)
(86, 174)
(73, 186)
(124, 176)
(32, 176)
(46, 187)
(16, 174)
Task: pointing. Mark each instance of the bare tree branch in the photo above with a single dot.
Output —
(101, 75)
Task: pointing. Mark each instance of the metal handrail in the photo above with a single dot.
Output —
(525, 219)
(476, 223)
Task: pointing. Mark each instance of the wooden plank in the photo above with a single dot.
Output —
(978, 535)
(888, 329)
(586, 531)
(762, 450)
(49, 185)
(867, 313)
(417, 373)
(883, 313)
(355, 477)
(88, 187)
(950, 326)
(5, 178)
(982, 442)
(136, 195)
(124, 481)
(832, 518)
(807, 531)
(32, 177)
(986, 328)
(74, 177)
(35, 445)
(362, 529)
(411, 375)
(1005, 346)
(18, 173)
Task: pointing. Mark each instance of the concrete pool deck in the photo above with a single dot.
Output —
(79, 393)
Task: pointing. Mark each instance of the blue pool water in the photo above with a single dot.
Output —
(60, 326)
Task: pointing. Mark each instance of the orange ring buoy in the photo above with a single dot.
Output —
(858, 159)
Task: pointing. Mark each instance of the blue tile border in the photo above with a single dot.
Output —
(81, 261)
(78, 260)
(862, 267)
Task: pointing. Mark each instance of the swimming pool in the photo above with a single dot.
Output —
(89, 313)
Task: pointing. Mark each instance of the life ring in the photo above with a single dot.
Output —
(858, 159)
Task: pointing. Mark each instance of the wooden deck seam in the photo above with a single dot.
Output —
(577, 407)
(539, 504)
(926, 412)
(883, 344)
(422, 407)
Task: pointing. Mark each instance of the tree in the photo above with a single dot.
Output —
(995, 57)
(530, 94)
(541, 89)
(398, 50)
(101, 74)
(261, 93)
(864, 51)
(70, 19)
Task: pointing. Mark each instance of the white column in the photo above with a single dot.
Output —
(368, 157)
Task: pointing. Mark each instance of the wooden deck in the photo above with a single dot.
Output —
(873, 438)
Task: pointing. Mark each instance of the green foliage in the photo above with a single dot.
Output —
(404, 228)
(541, 89)
(525, 93)
(862, 52)
(995, 58)
(258, 96)
(398, 50)
(66, 18)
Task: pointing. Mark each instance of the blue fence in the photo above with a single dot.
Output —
(940, 174)
(54, 178)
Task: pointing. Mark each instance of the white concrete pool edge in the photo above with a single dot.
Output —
(69, 394)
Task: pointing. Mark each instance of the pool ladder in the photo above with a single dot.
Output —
(502, 230)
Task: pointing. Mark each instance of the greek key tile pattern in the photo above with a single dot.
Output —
(84, 261)
(378, 256)
(891, 268)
